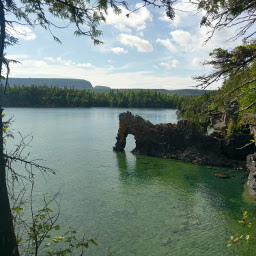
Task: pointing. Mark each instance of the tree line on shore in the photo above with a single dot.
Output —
(195, 108)
(44, 96)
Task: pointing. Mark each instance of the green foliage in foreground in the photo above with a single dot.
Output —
(42, 236)
(250, 234)
(233, 128)
(43, 96)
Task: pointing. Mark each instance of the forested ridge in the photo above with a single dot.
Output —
(59, 82)
(84, 84)
(44, 96)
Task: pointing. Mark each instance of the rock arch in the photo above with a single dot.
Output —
(181, 141)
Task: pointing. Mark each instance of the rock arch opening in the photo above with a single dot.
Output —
(130, 143)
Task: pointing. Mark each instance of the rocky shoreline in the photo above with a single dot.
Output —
(183, 141)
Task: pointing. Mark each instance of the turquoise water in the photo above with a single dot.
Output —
(133, 205)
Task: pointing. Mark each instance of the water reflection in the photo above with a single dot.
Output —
(190, 200)
(187, 181)
(121, 161)
(186, 201)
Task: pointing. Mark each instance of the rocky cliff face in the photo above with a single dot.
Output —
(219, 120)
(251, 183)
(252, 128)
(182, 141)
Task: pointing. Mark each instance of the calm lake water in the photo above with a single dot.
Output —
(133, 205)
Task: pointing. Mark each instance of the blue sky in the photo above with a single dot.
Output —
(146, 50)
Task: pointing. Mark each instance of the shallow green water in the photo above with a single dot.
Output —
(134, 205)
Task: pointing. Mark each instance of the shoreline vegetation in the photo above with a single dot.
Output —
(205, 110)
(44, 96)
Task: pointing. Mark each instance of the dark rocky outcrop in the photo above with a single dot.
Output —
(251, 120)
(182, 141)
(253, 131)
(251, 183)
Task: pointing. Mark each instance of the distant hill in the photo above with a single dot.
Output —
(84, 84)
(181, 92)
(185, 92)
(102, 87)
(58, 82)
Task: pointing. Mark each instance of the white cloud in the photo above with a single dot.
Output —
(65, 62)
(169, 65)
(165, 65)
(59, 60)
(219, 39)
(49, 58)
(17, 56)
(196, 63)
(21, 32)
(195, 42)
(167, 43)
(122, 28)
(136, 19)
(185, 7)
(140, 33)
(110, 68)
(134, 41)
(182, 37)
(175, 63)
(118, 50)
(34, 63)
(85, 65)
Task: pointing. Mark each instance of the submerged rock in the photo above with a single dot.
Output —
(182, 141)
(222, 175)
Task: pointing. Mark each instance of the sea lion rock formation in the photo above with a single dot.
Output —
(182, 141)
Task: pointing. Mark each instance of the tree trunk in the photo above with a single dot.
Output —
(8, 243)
